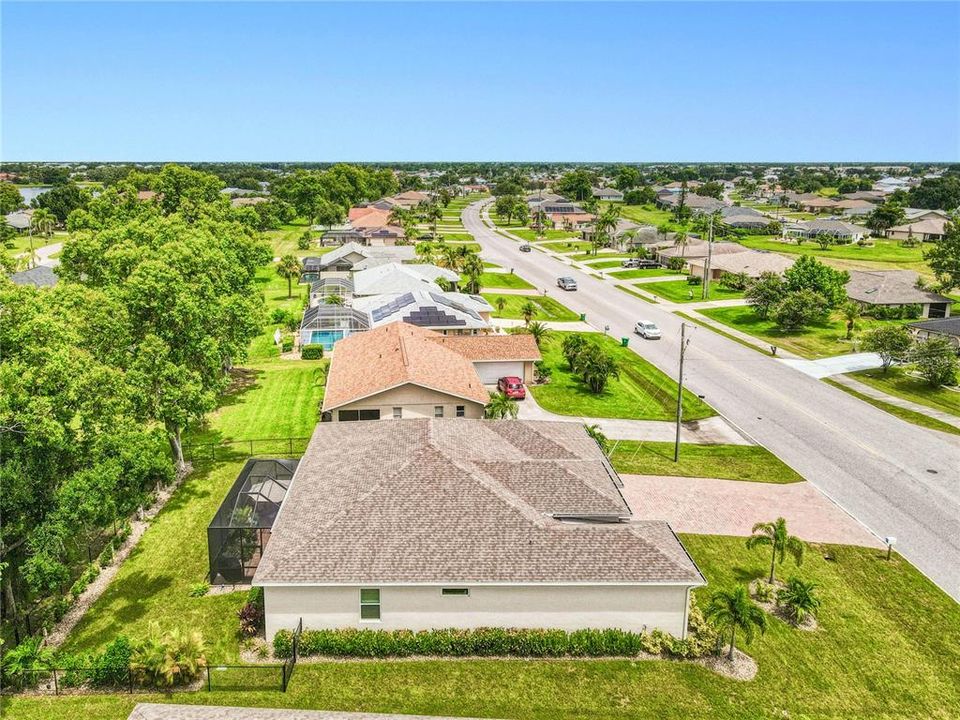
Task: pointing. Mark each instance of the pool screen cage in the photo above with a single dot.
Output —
(238, 533)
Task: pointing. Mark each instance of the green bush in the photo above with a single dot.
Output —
(311, 352)
(287, 345)
(283, 644)
(112, 666)
(694, 280)
(199, 589)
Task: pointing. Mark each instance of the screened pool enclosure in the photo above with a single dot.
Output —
(240, 530)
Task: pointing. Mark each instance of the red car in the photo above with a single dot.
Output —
(512, 387)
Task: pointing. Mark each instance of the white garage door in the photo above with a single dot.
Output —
(490, 372)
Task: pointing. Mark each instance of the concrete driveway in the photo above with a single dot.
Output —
(835, 365)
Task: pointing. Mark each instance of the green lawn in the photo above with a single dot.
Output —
(681, 291)
(284, 240)
(821, 339)
(458, 237)
(725, 462)
(588, 256)
(898, 383)
(636, 273)
(887, 252)
(531, 235)
(22, 241)
(649, 215)
(888, 647)
(567, 246)
(549, 310)
(276, 293)
(905, 414)
(504, 280)
(643, 392)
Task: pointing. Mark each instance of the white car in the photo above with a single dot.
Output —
(647, 330)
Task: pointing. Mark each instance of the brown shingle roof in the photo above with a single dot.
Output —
(889, 287)
(491, 347)
(395, 354)
(456, 500)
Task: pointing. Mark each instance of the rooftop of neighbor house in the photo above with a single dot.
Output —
(396, 277)
(478, 348)
(889, 287)
(459, 500)
(39, 276)
(931, 225)
(835, 227)
(751, 262)
(427, 308)
(157, 711)
(697, 248)
(943, 326)
(397, 354)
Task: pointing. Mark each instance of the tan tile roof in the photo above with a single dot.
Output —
(491, 347)
(463, 501)
(395, 354)
(373, 219)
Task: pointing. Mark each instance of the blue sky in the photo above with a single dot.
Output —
(472, 81)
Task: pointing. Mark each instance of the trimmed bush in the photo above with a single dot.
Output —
(311, 352)
(287, 345)
(112, 667)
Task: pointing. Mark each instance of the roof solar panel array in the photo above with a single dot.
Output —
(392, 307)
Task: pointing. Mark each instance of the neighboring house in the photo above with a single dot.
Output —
(929, 228)
(888, 185)
(747, 218)
(248, 201)
(838, 229)
(39, 276)
(19, 220)
(696, 248)
(393, 278)
(396, 371)
(409, 199)
(871, 196)
(544, 196)
(895, 288)
(942, 327)
(751, 262)
(698, 204)
(611, 194)
(817, 204)
(571, 221)
(495, 356)
(623, 227)
(353, 256)
(853, 207)
(463, 523)
(446, 312)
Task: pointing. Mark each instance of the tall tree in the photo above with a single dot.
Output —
(289, 268)
(890, 342)
(775, 536)
(944, 257)
(733, 610)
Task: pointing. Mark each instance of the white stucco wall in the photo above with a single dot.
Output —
(416, 401)
(628, 607)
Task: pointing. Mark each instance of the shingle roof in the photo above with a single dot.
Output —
(926, 226)
(751, 262)
(457, 500)
(39, 276)
(889, 287)
(398, 278)
(943, 326)
(157, 711)
(371, 362)
(478, 348)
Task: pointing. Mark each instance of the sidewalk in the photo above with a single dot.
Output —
(872, 392)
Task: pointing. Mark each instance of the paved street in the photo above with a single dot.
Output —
(896, 478)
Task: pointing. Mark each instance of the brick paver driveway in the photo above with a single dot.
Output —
(730, 507)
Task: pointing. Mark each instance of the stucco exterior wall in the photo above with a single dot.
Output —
(628, 607)
(416, 401)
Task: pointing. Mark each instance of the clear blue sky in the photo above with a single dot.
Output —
(628, 81)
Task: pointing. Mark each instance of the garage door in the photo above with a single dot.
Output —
(490, 372)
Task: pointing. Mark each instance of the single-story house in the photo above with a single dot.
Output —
(451, 313)
(622, 227)
(396, 371)
(495, 356)
(895, 288)
(928, 229)
(839, 229)
(353, 256)
(948, 327)
(696, 203)
(19, 220)
(392, 278)
(849, 206)
(751, 262)
(467, 523)
(545, 196)
(611, 194)
(571, 221)
(696, 248)
(738, 216)
(817, 204)
(871, 196)
(39, 276)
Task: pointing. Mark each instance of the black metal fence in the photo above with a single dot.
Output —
(292, 447)
(291, 661)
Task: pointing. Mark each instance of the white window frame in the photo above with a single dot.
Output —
(378, 604)
(398, 413)
(438, 411)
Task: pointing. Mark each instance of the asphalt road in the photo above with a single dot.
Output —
(896, 478)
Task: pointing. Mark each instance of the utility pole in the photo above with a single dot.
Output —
(683, 348)
(705, 288)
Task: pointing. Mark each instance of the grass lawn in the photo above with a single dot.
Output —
(21, 241)
(603, 264)
(284, 240)
(643, 392)
(631, 291)
(910, 416)
(898, 383)
(567, 246)
(458, 237)
(531, 235)
(680, 291)
(821, 339)
(504, 280)
(726, 462)
(275, 292)
(549, 310)
(885, 252)
(636, 273)
(588, 256)
(649, 215)
(888, 647)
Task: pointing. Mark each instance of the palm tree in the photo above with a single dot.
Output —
(399, 216)
(851, 312)
(780, 541)
(289, 267)
(596, 366)
(800, 599)
(44, 221)
(539, 331)
(603, 227)
(501, 303)
(449, 257)
(432, 213)
(596, 433)
(680, 240)
(472, 270)
(733, 610)
(528, 311)
(334, 300)
(501, 407)
(664, 229)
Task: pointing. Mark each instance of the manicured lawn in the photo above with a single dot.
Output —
(284, 240)
(643, 392)
(567, 246)
(649, 215)
(531, 235)
(644, 273)
(274, 289)
(897, 382)
(821, 339)
(504, 280)
(910, 416)
(588, 256)
(681, 291)
(631, 291)
(21, 241)
(549, 309)
(881, 251)
(458, 237)
(726, 462)
(604, 264)
(888, 647)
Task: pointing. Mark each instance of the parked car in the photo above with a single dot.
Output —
(525, 248)
(647, 330)
(512, 387)
(640, 263)
(630, 262)
(566, 283)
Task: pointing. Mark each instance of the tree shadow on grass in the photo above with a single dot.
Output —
(746, 575)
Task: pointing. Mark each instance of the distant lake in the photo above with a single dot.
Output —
(29, 193)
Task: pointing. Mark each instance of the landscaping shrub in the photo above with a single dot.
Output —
(169, 658)
(287, 344)
(694, 280)
(676, 264)
(112, 666)
(311, 352)
(19, 662)
(283, 644)
(303, 242)
(251, 614)
(199, 589)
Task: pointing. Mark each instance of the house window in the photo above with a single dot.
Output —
(438, 411)
(397, 413)
(369, 603)
(370, 414)
(454, 591)
(461, 410)
(348, 415)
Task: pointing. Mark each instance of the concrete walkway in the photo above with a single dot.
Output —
(836, 365)
(706, 506)
(733, 332)
(43, 254)
(710, 431)
(872, 392)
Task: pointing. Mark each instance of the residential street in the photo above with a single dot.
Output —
(898, 479)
